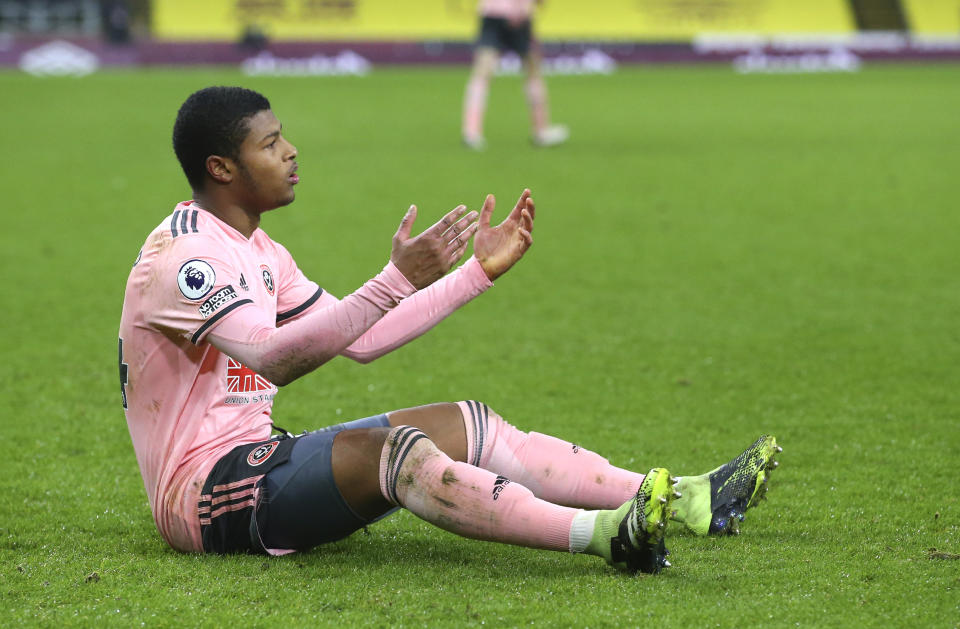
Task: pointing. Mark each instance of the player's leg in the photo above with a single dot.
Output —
(564, 473)
(485, 61)
(301, 504)
(331, 486)
(535, 88)
(553, 469)
(470, 501)
(338, 479)
(544, 133)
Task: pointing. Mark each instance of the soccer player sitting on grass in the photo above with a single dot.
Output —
(216, 316)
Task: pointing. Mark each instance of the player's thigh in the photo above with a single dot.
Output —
(519, 39)
(485, 62)
(532, 61)
(443, 424)
(328, 488)
(494, 34)
(356, 470)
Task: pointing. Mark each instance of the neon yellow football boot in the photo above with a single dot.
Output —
(715, 503)
(632, 537)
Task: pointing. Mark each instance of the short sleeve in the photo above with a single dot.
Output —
(295, 294)
(193, 289)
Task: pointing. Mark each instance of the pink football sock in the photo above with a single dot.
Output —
(555, 470)
(474, 106)
(467, 500)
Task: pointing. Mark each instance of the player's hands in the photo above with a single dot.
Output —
(426, 258)
(498, 248)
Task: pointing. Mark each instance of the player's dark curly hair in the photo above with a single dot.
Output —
(213, 121)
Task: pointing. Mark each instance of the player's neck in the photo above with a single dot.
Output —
(244, 221)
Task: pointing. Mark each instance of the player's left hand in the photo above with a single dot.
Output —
(425, 258)
(498, 248)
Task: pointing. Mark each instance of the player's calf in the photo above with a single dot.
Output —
(553, 469)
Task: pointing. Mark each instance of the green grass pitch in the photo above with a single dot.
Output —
(716, 256)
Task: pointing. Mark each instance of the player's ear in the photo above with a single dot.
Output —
(221, 169)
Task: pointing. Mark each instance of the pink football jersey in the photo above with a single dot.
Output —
(187, 404)
(509, 9)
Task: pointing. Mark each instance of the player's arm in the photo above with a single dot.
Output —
(286, 353)
(420, 312)
(412, 318)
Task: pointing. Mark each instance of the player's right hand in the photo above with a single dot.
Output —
(499, 248)
(425, 258)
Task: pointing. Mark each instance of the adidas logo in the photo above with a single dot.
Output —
(498, 486)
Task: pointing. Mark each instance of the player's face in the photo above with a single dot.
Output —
(267, 164)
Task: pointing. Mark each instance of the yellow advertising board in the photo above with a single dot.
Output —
(933, 17)
(683, 19)
(314, 19)
(457, 19)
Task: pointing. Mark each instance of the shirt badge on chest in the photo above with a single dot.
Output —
(267, 278)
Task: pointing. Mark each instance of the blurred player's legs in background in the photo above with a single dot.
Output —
(544, 134)
(485, 61)
(498, 35)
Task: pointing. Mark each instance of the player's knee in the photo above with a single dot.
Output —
(482, 426)
(482, 75)
(476, 411)
(448, 420)
(398, 443)
(400, 438)
(405, 451)
(485, 66)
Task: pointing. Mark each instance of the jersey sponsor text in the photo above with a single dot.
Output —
(217, 300)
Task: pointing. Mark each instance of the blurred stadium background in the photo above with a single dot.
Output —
(286, 34)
